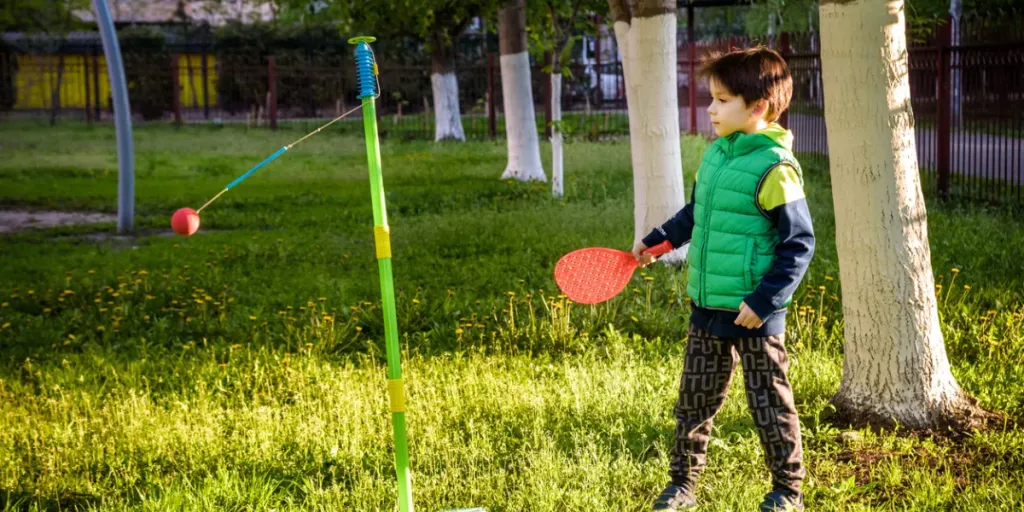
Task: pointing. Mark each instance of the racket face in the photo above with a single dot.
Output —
(594, 274)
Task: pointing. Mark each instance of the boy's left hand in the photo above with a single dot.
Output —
(747, 318)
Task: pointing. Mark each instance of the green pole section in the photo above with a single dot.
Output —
(367, 71)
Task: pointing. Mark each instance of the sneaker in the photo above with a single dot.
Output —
(676, 498)
(779, 501)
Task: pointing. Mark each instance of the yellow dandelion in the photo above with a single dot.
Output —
(252, 317)
(415, 301)
(648, 279)
(47, 310)
(5, 325)
(359, 329)
(92, 272)
(828, 278)
(4, 304)
(100, 328)
(955, 271)
(322, 299)
(967, 287)
(635, 319)
(458, 331)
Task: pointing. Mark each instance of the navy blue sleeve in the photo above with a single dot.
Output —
(792, 256)
(678, 230)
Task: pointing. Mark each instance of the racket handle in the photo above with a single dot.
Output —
(658, 250)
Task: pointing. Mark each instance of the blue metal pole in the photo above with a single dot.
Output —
(122, 119)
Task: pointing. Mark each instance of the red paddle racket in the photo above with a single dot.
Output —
(596, 274)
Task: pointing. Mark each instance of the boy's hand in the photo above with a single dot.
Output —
(643, 259)
(747, 318)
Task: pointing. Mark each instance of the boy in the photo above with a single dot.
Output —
(751, 240)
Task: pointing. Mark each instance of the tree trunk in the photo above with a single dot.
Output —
(648, 45)
(521, 135)
(556, 131)
(895, 369)
(447, 117)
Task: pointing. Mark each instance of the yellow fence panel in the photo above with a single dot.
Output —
(37, 78)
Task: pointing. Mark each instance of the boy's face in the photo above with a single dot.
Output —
(730, 113)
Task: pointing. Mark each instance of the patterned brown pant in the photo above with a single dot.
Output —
(707, 372)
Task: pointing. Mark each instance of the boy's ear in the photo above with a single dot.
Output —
(760, 108)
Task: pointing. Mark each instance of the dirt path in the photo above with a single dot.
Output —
(12, 221)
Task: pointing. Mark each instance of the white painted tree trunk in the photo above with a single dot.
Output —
(649, 63)
(895, 368)
(520, 121)
(448, 119)
(556, 135)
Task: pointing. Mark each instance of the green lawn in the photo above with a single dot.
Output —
(243, 368)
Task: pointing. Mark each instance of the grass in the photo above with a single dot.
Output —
(243, 368)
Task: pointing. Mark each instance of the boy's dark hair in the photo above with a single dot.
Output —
(757, 73)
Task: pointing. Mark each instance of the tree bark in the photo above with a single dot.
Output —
(895, 369)
(647, 41)
(521, 136)
(445, 86)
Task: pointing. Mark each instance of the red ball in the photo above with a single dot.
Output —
(185, 222)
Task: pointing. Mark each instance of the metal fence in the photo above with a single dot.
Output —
(967, 99)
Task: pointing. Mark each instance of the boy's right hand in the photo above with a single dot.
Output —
(642, 259)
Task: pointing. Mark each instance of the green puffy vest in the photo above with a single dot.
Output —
(733, 244)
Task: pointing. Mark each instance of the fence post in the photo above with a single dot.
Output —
(206, 87)
(692, 48)
(272, 93)
(97, 104)
(492, 119)
(176, 89)
(943, 105)
(784, 52)
(88, 89)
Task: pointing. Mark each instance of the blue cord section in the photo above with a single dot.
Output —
(365, 71)
(258, 166)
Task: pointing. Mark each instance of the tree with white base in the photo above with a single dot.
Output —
(895, 369)
(552, 25)
(520, 122)
(647, 41)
